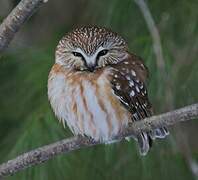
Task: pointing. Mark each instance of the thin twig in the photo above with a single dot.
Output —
(47, 152)
(16, 19)
(166, 77)
(157, 47)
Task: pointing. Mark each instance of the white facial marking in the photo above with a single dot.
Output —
(60, 60)
(89, 59)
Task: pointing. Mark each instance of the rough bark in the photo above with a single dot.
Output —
(13, 22)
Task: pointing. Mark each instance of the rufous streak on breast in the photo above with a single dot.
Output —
(86, 102)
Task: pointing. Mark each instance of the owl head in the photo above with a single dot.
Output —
(90, 48)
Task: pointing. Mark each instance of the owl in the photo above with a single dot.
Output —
(97, 87)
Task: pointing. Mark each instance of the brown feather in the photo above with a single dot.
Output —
(128, 83)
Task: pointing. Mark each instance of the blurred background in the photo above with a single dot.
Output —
(27, 121)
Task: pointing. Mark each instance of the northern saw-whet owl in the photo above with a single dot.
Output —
(97, 87)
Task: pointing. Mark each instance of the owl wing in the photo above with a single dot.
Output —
(128, 84)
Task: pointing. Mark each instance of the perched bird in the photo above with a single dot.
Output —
(97, 86)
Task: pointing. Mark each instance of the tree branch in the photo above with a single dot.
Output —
(15, 20)
(47, 152)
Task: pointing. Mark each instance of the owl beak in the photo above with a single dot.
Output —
(91, 67)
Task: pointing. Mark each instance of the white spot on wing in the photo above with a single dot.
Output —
(137, 89)
(137, 80)
(131, 83)
(118, 87)
(128, 77)
(141, 87)
(132, 93)
(142, 66)
(133, 72)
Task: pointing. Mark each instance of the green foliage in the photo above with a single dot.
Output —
(27, 122)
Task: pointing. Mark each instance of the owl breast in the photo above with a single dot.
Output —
(86, 103)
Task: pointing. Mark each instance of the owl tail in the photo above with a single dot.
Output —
(145, 139)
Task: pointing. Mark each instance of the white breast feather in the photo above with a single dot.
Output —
(60, 96)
